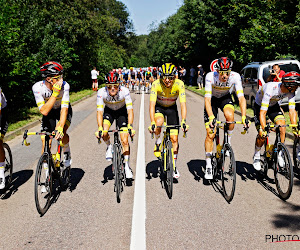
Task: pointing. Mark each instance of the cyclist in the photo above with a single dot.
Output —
(148, 77)
(163, 96)
(154, 73)
(94, 76)
(140, 77)
(3, 129)
(125, 74)
(53, 100)
(133, 77)
(267, 102)
(118, 106)
(218, 87)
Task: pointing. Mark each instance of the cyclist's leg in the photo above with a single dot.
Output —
(48, 124)
(3, 129)
(228, 109)
(159, 121)
(108, 119)
(277, 116)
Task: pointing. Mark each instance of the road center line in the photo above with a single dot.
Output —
(138, 229)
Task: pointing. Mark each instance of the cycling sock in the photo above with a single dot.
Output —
(126, 159)
(107, 142)
(208, 158)
(158, 139)
(66, 148)
(257, 152)
(230, 132)
(2, 170)
(175, 159)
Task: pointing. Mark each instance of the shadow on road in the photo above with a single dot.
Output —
(18, 179)
(197, 168)
(76, 176)
(152, 169)
(108, 174)
(245, 170)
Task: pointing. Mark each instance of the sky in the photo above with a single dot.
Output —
(144, 12)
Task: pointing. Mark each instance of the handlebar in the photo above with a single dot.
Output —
(26, 134)
(170, 127)
(234, 122)
(113, 131)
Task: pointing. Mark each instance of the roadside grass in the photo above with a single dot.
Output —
(249, 111)
(29, 115)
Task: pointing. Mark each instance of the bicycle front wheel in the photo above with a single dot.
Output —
(117, 171)
(169, 169)
(295, 155)
(8, 171)
(283, 172)
(43, 184)
(228, 172)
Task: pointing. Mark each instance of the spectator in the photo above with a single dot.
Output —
(182, 73)
(192, 75)
(94, 75)
(275, 74)
(200, 76)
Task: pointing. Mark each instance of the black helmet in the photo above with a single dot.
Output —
(291, 79)
(51, 69)
(224, 64)
(112, 78)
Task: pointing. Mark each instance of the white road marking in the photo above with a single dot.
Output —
(138, 229)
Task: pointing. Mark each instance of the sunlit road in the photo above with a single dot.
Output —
(197, 217)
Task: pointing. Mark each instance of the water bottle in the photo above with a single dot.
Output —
(219, 148)
(269, 150)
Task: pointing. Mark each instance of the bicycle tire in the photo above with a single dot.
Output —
(264, 161)
(8, 170)
(228, 173)
(169, 169)
(295, 158)
(42, 199)
(281, 174)
(116, 166)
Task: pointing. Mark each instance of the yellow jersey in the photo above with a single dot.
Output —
(167, 97)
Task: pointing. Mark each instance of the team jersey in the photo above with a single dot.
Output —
(167, 97)
(114, 102)
(270, 94)
(148, 75)
(42, 94)
(132, 74)
(3, 102)
(213, 86)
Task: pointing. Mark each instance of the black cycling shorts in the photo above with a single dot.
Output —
(171, 113)
(49, 122)
(3, 121)
(273, 113)
(120, 115)
(218, 103)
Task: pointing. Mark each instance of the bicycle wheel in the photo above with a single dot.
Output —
(8, 171)
(228, 172)
(116, 166)
(264, 161)
(295, 156)
(283, 172)
(43, 184)
(169, 169)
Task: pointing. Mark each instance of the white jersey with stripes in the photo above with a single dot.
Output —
(114, 102)
(42, 94)
(214, 87)
(3, 102)
(270, 94)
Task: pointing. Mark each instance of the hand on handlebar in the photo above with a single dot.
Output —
(152, 127)
(131, 131)
(59, 133)
(184, 126)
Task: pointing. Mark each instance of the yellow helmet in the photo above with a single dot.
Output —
(131, 68)
(168, 69)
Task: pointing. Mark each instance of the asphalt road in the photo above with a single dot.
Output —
(197, 217)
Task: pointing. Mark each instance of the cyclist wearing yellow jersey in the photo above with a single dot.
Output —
(163, 96)
(218, 87)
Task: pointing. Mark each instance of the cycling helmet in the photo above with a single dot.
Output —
(112, 78)
(224, 64)
(291, 79)
(168, 69)
(131, 68)
(51, 69)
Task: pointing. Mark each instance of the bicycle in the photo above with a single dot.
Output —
(296, 151)
(167, 158)
(269, 159)
(219, 160)
(50, 167)
(118, 162)
(8, 167)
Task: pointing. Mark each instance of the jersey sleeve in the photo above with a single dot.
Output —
(182, 95)
(39, 99)
(100, 102)
(65, 101)
(0, 98)
(153, 93)
(208, 85)
(292, 102)
(128, 100)
(266, 98)
(238, 85)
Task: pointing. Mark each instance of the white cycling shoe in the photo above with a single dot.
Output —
(2, 183)
(108, 154)
(208, 173)
(256, 163)
(176, 174)
(67, 159)
(128, 172)
(281, 161)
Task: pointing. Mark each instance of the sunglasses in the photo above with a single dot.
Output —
(227, 72)
(110, 86)
(171, 78)
(56, 77)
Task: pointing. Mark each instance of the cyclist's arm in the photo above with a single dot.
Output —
(100, 118)
(208, 108)
(130, 116)
(183, 110)
(292, 110)
(208, 94)
(152, 111)
(129, 107)
(100, 108)
(63, 118)
(240, 93)
(0, 101)
(262, 118)
(243, 105)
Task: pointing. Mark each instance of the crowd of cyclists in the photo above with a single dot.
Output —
(114, 103)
